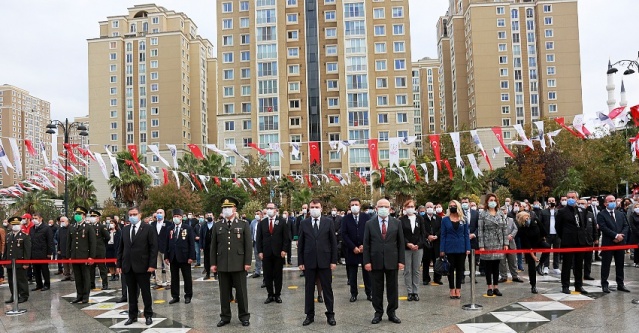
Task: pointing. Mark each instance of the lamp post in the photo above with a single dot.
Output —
(66, 128)
(628, 64)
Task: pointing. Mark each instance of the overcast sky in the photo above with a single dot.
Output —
(45, 48)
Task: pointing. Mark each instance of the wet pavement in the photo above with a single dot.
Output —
(516, 311)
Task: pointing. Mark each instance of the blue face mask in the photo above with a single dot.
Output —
(159, 217)
(612, 205)
(422, 213)
(134, 219)
(572, 202)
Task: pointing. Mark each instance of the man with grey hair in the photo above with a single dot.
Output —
(571, 229)
(614, 231)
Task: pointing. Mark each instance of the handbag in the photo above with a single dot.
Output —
(441, 266)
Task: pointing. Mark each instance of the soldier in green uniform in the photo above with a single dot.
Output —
(81, 245)
(18, 246)
(101, 238)
(231, 254)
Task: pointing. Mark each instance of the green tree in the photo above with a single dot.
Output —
(110, 208)
(287, 188)
(36, 202)
(81, 192)
(303, 196)
(397, 189)
(251, 207)
(170, 197)
(465, 186)
(259, 167)
(130, 188)
(572, 182)
(502, 193)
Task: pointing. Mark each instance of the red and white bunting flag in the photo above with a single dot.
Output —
(196, 151)
(500, 137)
(436, 146)
(256, 147)
(29, 144)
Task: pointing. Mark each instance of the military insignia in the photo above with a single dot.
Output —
(183, 234)
(83, 233)
(238, 232)
(276, 222)
(171, 234)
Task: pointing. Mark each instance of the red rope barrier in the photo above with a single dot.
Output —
(60, 261)
(560, 250)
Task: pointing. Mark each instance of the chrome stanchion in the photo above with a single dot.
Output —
(472, 305)
(16, 311)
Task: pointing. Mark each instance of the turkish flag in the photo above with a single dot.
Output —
(256, 147)
(436, 146)
(196, 151)
(450, 170)
(30, 148)
(361, 179)
(483, 153)
(372, 151)
(134, 153)
(562, 123)
(314, 152)
(217, 181)
(263, 180)
(69, 149)
(333, 177)
(500, 137)
(197, 181)
(165, 172)
(383, 172)
(308, 181)
(132, 165)
(616, 112)
(414, 168)
(634, 112)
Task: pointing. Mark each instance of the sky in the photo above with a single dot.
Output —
(45, 44)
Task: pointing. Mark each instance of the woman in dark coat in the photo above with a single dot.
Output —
(633, 222)
(532, 237)
(114, 242)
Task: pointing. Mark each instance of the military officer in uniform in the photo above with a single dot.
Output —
(18, 246)
(81, 245)
(101, 238)
(180, 253)
(231, 254)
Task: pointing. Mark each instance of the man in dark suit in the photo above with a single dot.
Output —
(433, 225)
(571, 229)
(614, 230)
(549, 223)
(162, 227)
(231, 246)
(101, 238)
(273, 239)
(180, 253)
(472, 218)
(41, 248)
(337, 225)
(317, 257)
(595, 207)
(81, 245)
(206, 233)
(384, 256)
(353, 236)
(137, 258)
(591, 234)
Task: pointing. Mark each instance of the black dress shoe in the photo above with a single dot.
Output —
(331, 321)
(187, 300)
(376, 320)
(395, 320)
(122, 300)
(269, 300)
(278, 299)
(22, 300)
(415, 297)
(263, 285)
(540, 269)
(353, 299)
(36, 288)
(245, 322)
(222, 323)
(174, 300)
(496, 292)
(85, 301)
(320, 299)
(131, 321)
(255, 275)
(566, 290)
(369, 298)
(533, 290)
(410, 297)
(589, 278)
(581, 290)
(148, 321)
(489, 293)
(502, 280)
(605, 290)
(308, 321)
(439, 282)
(77, 300)
(623, 288)
(8, 301)
(518, 279)
(426, 283)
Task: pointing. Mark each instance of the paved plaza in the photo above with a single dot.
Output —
(517, 311)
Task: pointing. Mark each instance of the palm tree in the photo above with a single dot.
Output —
(130, 188)
(302, 197)
(397, 188)
(82, 192)
(32, 202)
(468, 185)
(287, 188)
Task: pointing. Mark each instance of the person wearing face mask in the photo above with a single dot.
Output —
(532, 237)
(137, 259)
(231, 245)
(206, 233)
(180, 253)
(509, 261)
(571, 229)
(439, 210)
(273, 240)
(353, 237)
(3, 237)
(492, 235)
(614, 231)
(81, 245)
(254, 229)
(101, 238)
(317, 257)
(595, 207)
(591, 234)
(432, 226)
(162, 227)
(421, 211)
(549, 223)
(337, 225)
(414, 237)
(471, 218)
(18, 246)
(115, 235)
(62, 237)
(633, 224)
(197, 228)
(455, 245)
(41, 248)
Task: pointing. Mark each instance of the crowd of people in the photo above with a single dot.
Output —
(382, 240)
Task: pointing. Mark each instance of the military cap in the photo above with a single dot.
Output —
(178, 211)
(80, 210)
(229, 202)
(15, 220)
(94, 212)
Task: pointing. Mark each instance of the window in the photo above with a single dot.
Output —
(331, 32)
(357, 100)
(549, 33)
(294, 104)
(333, 102)
(359, 155)
(229, 126)
(331, 84)
(227, 7)
(227, 40)
(400, 82)
(503, 72)
(246, 90)
(293, 87)
(398, 29)
(228, 92)
(398, 12)
(501, 11)
(358, 134)
(552, 95)
(114, 137)
(291, 3)
(228, 57)
(382, 100)
(329, 15)
(383, 136)
(291, 18)
(294, 69)
(229, 108)
(115, 24)
(380, 30)
(244, 22)
(331, 67)
(384, 153)
(113, 56)
(245, 73)
(227, 24)
(155, 111)
(547, 20)
(505, 122)
(505, 97)
(550, 70)
(155, 134)
(503, 60)
(550, 57)
(293, 52)
(502, 47)
(501, 35)
(382, 82)
(514, 13)
(331, 50)
(382, 118)
(358, 118)
(113, 90)
(114, 125)
(552, 108)
(154, 75)
(380, 47)
(550, 45)
(246, 107)
(155, 87)
(505, 109)
(547, 8)
(552, 83)
(501, 22)
(402, 118)
(267, 87)
(229, 74)
(113, 102)
(380, 65)
(334, 155)
(295, 122)
(114, 114)
(400, 64)
(246, 125)
(504, 84)
(399, 47)
(268, 123)
(154, 41)
(155, 123)
(293, 35)
(333, 120)
(378, 13)
(244, 6)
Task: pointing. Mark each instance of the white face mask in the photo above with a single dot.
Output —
(270, 212)
(227, 212)
(257, 217)
(316, 212)
(111, 226)
(473, 208)
(383, 212)
(15, 228)
(177, 220)
(63, 224)
(304, 211)
(516, 209)
(409, 211)
(355, 209)
(190, 216)
(285, 216)
(36, 222)
(24, 221)
(439, 210)
(334, 213)
(430, 210)
(564, 202)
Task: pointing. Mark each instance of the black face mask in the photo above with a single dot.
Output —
(210, 219)
(552, 204)
(453, 210)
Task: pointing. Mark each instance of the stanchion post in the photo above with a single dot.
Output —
(16, 295)
(472, 305)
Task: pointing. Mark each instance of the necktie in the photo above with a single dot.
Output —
(383, 229)
(316, 226)
(270, 227)
(133, 231)
(356, 220)
(613, 215)
(177, 232)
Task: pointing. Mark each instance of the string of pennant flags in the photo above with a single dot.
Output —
(42, 179)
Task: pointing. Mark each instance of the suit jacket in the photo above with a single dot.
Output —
(353, 236)
(41, 242)
(180, 246)
(316, 252)
(273, 245)
(611, 227)
(384, 254)
(417, 237)
(81, 241)
(101, 239)
(454, 240)
(231, 245)
(472, 219)
(337, 226)
(206, 235)
(433, 227)
(545, 220)
(163, 236)
(138, 254)
(571, 233)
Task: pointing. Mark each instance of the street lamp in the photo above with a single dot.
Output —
(628, 64)
(66, 128)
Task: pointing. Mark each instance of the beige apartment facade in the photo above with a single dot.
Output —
(149, 79)
(23, 116)
(511, 62)
(299, 71)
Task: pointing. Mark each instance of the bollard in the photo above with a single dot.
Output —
(16, 310)
(472, 305)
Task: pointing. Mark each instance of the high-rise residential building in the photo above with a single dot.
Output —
(149, 77)
(76, 139)
(23, 116)
(506, 62)
(316, 70)
(426, 96)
